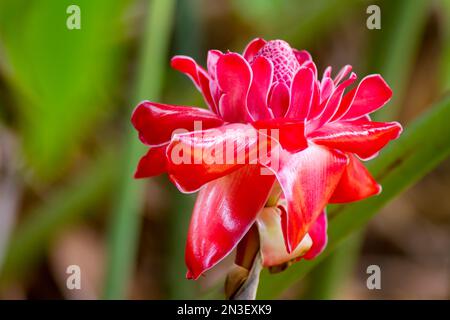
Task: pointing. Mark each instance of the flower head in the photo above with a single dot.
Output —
(323, 131)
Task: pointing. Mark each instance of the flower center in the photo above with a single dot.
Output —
(283, 58)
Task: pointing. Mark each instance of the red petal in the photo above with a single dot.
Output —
(318, 234)
(153, 163)
(356, 183)
(199, 157)
(302, 92)
(342, 74)
(234, 77)
(156, 122)
(326, 88)
(315, 108)
(302, 56)
(371, 94)
(279, 100)
(365, 138)
(258, 95)
(198, 75)
(224, 211)
(252, 48)
(308, 179)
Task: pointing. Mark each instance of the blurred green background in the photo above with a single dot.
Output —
(68, 151)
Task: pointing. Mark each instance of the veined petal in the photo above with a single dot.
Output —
(371, 94)
(272, 246)
(262, 70)
(234, 77)
(252, 48)
(318, 234)
(199, 157)
(197, 74)
(308, 179)
(224, 211)
(153, 163)
(279, 100)
(356, 183)
(156, 122)
(302, 92)
(364, 138)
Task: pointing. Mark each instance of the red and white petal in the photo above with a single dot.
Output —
(279, 100)
(302, 56)
(234, 77)
(371, 94)
(224, 211)
(252, 48)
(156, 122)
(356, 183)
(302, 93)
(272, 246)
(153, 163)
(364, 138)
(318, 234)
(257, 99)
(196, 158)
(342, 74)
(308, 179)
(197, 74)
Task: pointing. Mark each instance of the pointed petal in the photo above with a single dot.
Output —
(279, 100)
(197, 74)
(365, 138)
(318, 234)
(224, 211)
(302, 92)
(273, 249)
(199, 157)
(252, 48)
(156, 122)
(356, 183)
(259, 91)
(153, 163)
(234, 77)
(342, 74)
(302, 56)
(371, 94)
(308, 179)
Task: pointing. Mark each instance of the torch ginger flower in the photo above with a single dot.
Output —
(323, 134)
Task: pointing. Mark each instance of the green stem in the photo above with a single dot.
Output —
(125, 221)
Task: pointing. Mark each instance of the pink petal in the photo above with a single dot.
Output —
(224, 211)
(197, 74)
(199, 157)
(308, 179)
(302, 92)
(326, 89)
(302, 56)
(252, 48)
(371, 94)
(259, 91)
(279, 100)
(234, 77)
(315, 108)
(318, 234)
(156, 122)
(365, 138)
(356, 183)
(153, 163)
(342, 74)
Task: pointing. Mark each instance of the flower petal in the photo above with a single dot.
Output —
(308, 179)
(365, 138)
(156, 122)
(279, 99)
(153, 163)
(318, 234)
(199, 157)
(224, 211)
(234, 77)
(371, 94)
(342, 74)
(356, 183)
(302, 56)
(197, 74)
(259, 91)
(252, 48)
(302, 92)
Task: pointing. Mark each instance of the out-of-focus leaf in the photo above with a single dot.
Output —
(445, 65)
(61, 78)
(421, 148)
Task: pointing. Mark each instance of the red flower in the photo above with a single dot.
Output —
(323, 133)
